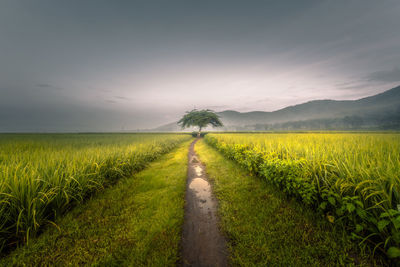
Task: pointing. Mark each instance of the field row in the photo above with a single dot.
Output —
(353, 179)
(42, 176)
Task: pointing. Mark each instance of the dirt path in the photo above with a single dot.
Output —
(202, 242)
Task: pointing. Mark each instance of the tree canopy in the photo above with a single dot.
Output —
(200, 118)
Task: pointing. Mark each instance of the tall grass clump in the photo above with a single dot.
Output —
(42, 176)
(351, 178)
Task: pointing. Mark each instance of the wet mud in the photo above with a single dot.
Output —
(202, 242)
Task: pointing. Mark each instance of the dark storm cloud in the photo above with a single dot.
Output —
(141, 63)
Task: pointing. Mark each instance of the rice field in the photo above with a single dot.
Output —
(44, 175)
(352, 179)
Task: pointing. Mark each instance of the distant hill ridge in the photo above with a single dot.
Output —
(373, 111)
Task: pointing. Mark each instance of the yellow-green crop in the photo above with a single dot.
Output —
(353, 178)
(41, 176)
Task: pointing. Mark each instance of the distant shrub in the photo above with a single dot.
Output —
(194, 134)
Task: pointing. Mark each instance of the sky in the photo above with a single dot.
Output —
(123, 65)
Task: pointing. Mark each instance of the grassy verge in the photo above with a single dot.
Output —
(265, 228)
(137, 222)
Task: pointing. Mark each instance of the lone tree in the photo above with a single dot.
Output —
(200, 118)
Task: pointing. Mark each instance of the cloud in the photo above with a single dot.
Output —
(353, 86)
(48, 86)
(43, 85)
(385, 76)
(165, 59)
(122, 98)
(218, 107)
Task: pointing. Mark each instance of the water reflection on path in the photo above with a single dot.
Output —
(202, 190)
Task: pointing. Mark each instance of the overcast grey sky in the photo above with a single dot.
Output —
(109, 65)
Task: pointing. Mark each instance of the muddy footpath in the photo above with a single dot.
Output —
(202, 242)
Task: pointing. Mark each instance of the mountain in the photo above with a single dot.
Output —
(375, 111)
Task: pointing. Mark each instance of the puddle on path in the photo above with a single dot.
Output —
(202, 190)
(198, 170)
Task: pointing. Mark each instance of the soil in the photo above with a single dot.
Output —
(202, 242)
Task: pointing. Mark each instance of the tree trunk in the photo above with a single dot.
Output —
(199, 133)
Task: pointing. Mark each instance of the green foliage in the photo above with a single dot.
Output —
(42, 176)
(200, 118)
(353, 179)
(394, 252)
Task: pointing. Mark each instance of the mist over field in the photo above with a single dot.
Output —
(70, 66)
(378, 112)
